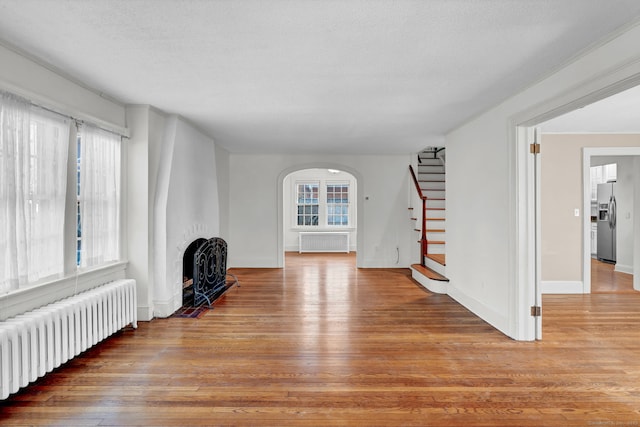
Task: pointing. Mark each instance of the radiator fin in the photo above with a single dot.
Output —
(329, 241)
(36, 342)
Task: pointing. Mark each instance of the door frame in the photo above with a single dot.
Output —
(525, 241)
(587, 153)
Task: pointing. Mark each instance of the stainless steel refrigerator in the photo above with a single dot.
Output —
(607, 222)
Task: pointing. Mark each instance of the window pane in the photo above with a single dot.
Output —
(337, 204)
(307, 201)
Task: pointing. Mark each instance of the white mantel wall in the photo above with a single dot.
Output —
(186, 207)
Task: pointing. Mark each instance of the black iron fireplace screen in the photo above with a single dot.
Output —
(210, 277)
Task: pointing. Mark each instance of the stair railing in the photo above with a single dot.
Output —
(423, 228)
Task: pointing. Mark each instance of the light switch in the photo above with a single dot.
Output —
(576, 212)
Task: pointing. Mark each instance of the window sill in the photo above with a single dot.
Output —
(323, 229)
(37, 295)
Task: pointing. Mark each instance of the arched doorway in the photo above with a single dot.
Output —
(322, 200)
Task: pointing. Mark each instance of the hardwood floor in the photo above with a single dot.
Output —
(322, 343)
(605, 280)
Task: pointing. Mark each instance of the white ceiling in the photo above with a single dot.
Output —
(617, 114)
(311, 76)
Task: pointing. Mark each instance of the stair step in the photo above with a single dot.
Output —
(439, 258)
(435, 266)
(427, 272)
(432, 186)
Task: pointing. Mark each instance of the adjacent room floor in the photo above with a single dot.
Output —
(604, 279)
(322, 343)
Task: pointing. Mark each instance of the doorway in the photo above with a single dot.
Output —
(319, 210)
(576, 212)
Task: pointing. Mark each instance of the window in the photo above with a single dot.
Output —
(308, 203)
(338, 204)
(99, 197)
(39, 189)
(78, 213)
(33, 176)
(48, 147)
(322, 203)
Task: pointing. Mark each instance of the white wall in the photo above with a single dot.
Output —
(222, 169)
(255, 220)
(291, 229)
(489, 241)
(138, 208)
(24, 77)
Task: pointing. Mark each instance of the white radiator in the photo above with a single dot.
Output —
(36, 342)
(324, 241)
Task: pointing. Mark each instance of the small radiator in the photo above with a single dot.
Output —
(36, 342)
(323, 241)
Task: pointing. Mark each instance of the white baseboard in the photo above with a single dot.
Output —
(562, 287)
(624, 268)
(145, 314)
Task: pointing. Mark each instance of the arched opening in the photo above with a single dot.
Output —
(320, 209)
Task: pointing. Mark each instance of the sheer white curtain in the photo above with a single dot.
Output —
(33, 166)
(99, 196)
(14, 184)
(49, 146)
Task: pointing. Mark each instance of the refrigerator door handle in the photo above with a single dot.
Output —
(613, 212)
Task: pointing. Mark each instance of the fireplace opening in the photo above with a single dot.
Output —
(204, 272)
(187, 271)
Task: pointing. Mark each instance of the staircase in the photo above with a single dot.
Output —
(431, 273)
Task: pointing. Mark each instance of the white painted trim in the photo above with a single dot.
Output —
(587, 153)
(621, 268)
(32, 297)
(435, 286)
(522, 235)
(562, 287)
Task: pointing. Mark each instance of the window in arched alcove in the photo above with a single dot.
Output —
(320, 202)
